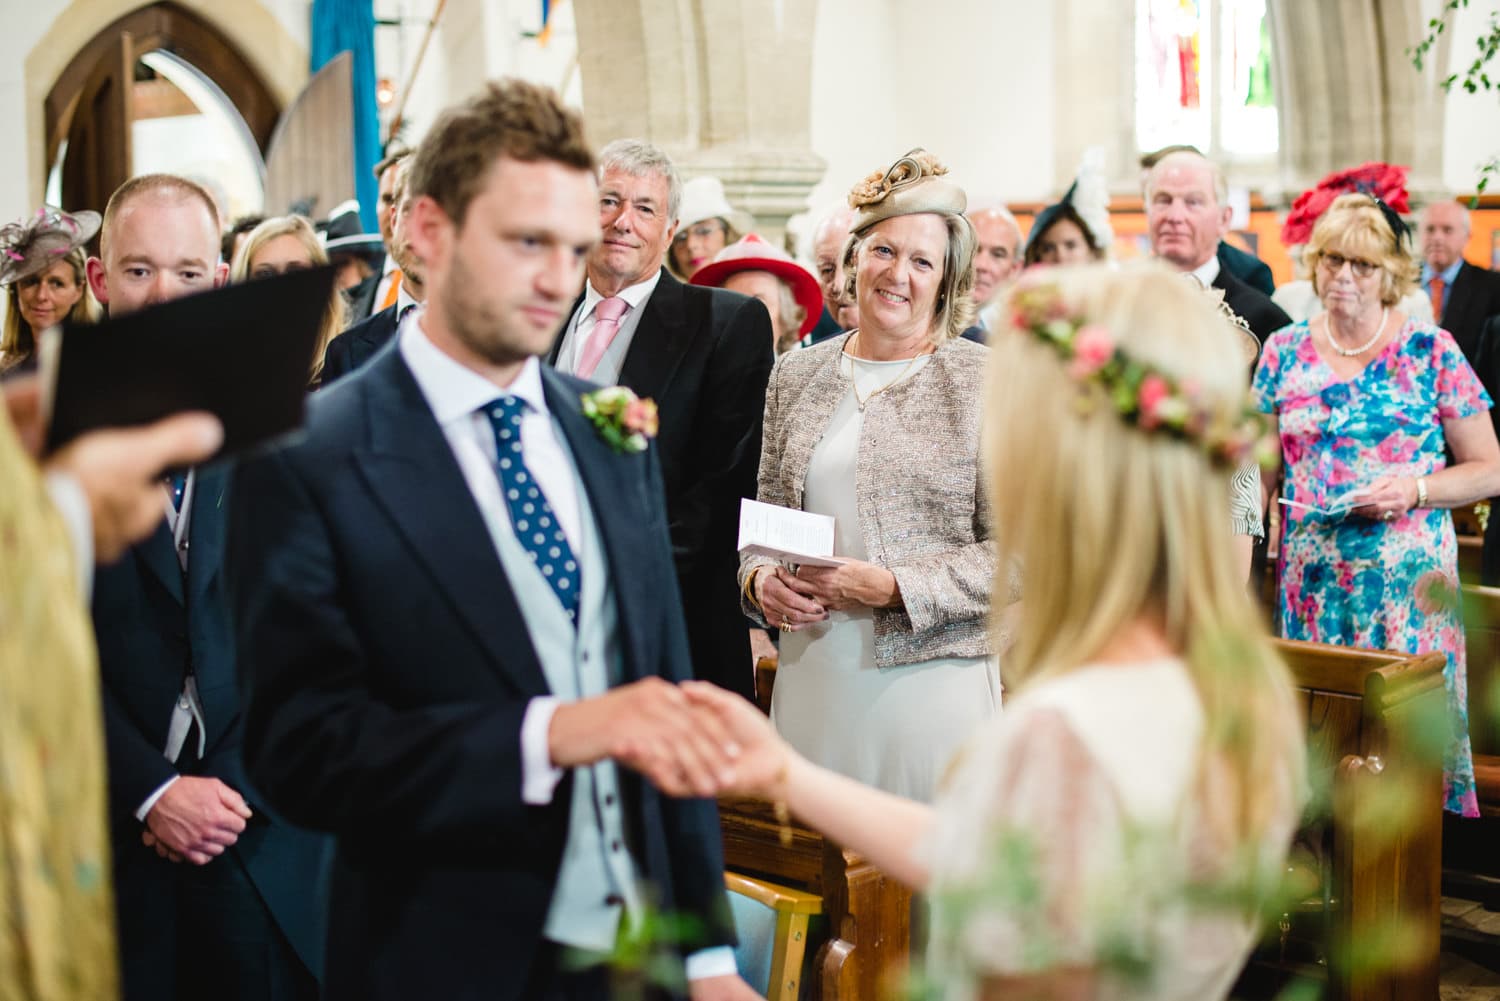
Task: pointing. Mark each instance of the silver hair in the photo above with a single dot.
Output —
(637, 157)
(1004, 215)
(1216, 174)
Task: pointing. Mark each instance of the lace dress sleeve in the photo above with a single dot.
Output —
(1022, 839)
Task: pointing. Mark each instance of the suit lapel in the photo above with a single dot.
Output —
(1459, 298)
(557, 342)
(660, 342)
(206, 528)
(159, 553)
(617, 494)
(412, 475)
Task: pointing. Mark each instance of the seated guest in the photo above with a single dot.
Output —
(1076, 229)
(706, 225)
(839, 312)
(1367, 402)
(357, 345)
(1113, 833)
(886, 664)
(288, 243)
(1385, 182)
(42, 269)
(755, 268)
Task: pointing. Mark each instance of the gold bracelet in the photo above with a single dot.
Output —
(750, 589)
(1421, 491)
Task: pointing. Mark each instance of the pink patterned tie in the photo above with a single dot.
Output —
(606, 325)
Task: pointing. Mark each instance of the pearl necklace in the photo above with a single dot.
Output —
(859, 401)
(1367, 345)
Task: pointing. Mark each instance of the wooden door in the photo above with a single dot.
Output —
(99, 148)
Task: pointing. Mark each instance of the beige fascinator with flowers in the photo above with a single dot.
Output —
(915, 183)
(912, 185)
(35, 244)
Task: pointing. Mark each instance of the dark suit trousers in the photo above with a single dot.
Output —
(228, 945)
(218, 943)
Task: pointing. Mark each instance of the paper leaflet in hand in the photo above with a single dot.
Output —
(1340, 505)
(793, 537)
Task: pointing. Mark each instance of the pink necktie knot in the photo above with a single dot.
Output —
(607, 314)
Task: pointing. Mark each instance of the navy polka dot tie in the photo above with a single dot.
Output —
(531, 516)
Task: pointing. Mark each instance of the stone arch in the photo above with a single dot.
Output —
(250, 56)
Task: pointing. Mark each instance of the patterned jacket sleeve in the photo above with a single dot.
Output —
(769, 485)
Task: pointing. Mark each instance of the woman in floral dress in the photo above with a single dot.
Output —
(1366, 401)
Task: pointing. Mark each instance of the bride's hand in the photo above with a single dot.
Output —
(760, 769)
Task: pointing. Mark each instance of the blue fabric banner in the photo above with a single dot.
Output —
(349, 26)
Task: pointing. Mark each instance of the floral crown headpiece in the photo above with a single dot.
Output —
(1141, 394)
(35, 244)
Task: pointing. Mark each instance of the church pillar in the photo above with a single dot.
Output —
(722, 85)
(1347, 92)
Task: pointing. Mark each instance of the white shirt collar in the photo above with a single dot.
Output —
(403, 299)
(1207, 271)
(632, 294)
(455, 391)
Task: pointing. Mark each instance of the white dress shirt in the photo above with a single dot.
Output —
(1207, 271)
(458, 397)
(581, 328)
(188, 709)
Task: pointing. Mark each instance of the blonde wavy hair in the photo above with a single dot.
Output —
(1120, 524)
(17, 339)
(1354, 226)
(243, 269)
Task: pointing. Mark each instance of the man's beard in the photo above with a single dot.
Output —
(474, 325)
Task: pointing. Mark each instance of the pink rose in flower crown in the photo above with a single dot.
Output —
(1149, 399)
(640, 418)
(1093, 347)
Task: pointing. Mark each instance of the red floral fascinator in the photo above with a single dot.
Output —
(1379, 180)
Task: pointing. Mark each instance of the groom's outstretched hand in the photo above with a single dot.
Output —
(652, 727)
(727, 988)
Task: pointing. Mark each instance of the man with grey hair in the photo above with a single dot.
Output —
(704, 355)
(1187, 217)
(1464, 296)
(997, 262)
(828, 239)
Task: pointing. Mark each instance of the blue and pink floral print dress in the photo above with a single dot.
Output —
(1347, 579)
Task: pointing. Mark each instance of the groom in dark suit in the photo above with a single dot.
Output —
(1187, 215)
(215, 897)
(458, 603)
(705, 356)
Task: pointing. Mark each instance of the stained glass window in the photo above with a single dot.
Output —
(1203, 76)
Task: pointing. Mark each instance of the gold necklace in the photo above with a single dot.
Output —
(860, 401)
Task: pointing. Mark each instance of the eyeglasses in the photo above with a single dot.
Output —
(1334, 263)
(702, 231)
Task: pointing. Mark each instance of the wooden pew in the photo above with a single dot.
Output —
(868, 914)
(1361, 709)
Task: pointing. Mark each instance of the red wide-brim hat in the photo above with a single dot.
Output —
(754, 254)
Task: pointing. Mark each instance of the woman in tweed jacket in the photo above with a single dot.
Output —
(886, 664)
